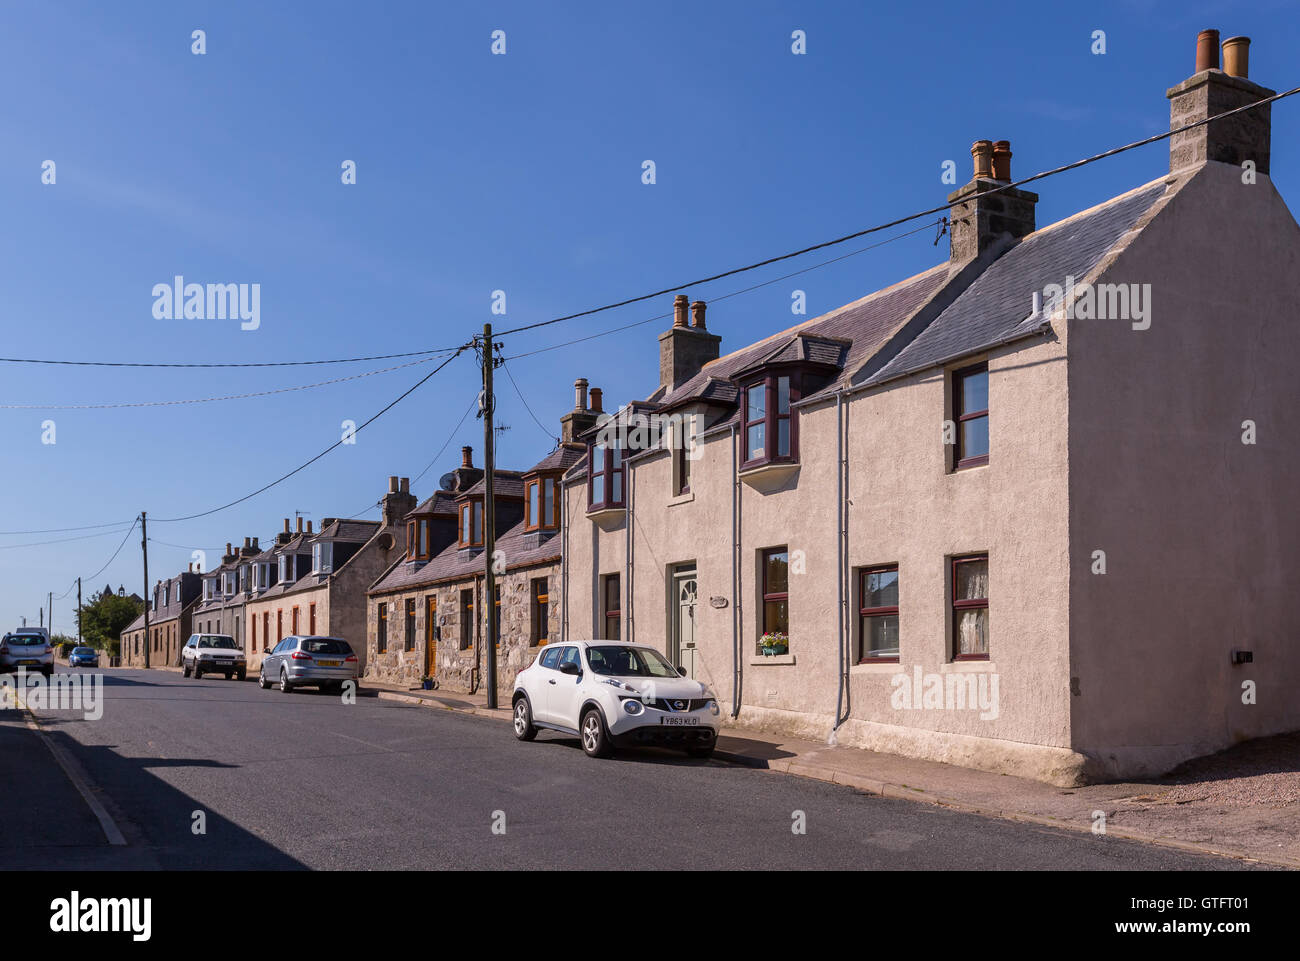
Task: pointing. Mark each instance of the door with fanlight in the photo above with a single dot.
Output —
(683, 652)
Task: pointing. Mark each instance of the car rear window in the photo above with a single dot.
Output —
(25, 640)
(317, 645)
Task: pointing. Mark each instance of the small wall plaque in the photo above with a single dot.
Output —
(717, 601)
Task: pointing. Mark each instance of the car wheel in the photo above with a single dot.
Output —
(241, 674)
(595, 739)
(197, 673)
(185, 671)
(285, 686)
(524, 729)
(262, 682)
(229, 675)
(701, 752)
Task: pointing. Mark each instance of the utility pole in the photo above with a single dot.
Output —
(489, 518)
(144, 547)
(78, 610)
(49, 600)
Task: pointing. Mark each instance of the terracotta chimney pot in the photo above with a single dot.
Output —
(1207, 50)
(467, 457)
(679, 310)
(1002, 160)
(580, 394)
(982, 152)
(596, 399)
(1236, 57)
(697, 314)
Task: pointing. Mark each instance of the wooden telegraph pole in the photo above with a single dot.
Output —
(489, 518)
(144, 547)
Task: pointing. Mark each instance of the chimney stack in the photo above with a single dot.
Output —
(248, 542)
(299, 525)
(597, 399)
(467, 456)
(255, 547)
(683, 350)
(581, 419)
(1210, 92)
(396, 504)
(309, 527)
(697, 314)
(977, 224)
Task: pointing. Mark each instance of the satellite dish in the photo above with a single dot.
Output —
(447, 482)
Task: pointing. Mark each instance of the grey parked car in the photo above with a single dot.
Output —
(309, 661)
(213, 654)
(28, 648)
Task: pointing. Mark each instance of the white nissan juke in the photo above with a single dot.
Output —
(612, 694)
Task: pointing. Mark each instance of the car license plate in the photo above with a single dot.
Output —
(328, 663)
(29, 662)
(224, 660)
(680, 721)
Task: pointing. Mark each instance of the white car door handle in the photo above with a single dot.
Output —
(550, 682)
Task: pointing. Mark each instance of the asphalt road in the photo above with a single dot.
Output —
(305, 781)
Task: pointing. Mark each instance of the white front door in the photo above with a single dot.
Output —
(683, 654)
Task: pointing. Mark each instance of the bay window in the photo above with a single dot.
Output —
(471, 523)
(605, 484)
(771, 433)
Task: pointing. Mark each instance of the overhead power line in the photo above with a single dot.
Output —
(901, 220)
(209, 400)
(284, 477)
(268, 363)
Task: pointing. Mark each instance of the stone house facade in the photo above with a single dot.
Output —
(325, 576)
(170, 619)
(225, 591)
(984, 515)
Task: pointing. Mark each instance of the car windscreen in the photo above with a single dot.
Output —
(82, 650)
(25, 640)
(629, 662)
(325, 645)
(217, 641)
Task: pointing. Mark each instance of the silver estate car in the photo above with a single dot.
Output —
(213, 654)
(309, 661)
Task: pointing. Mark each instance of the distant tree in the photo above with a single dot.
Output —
(64, 643)
(105, 617)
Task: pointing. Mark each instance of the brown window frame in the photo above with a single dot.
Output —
(960, 416)
(769, 384)
(538, 484)
(475, 507)
(466, 641)
(540, 609)
(381, 631)
(614, 464)
(311, 618)
(765, 595)
(266, 631)
(866, 612)
(681, 464)
(971, 604)
(295, 620)
(279, 624)
(408, 641)
(615, 615)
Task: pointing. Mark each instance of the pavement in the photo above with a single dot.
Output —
(1244, 803)
(221, 774)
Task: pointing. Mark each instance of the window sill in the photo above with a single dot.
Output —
(875, 667)
(771, 660)
(974, 665)
(681, 499)
(769, 477)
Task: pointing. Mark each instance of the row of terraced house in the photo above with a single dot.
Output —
(1028, 510)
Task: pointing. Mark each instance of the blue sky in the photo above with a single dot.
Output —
(475, 173)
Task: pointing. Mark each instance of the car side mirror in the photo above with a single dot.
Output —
(681, 671)
(570, 667)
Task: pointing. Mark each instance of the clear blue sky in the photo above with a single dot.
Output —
(478, 172)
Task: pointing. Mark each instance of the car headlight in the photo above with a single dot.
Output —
(713, 707)
(632, 706)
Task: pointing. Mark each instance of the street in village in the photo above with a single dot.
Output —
(221, 774)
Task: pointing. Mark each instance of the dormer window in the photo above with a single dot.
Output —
(771, 428)
(471, 523)
(167, 593)
(605, 477)
(543, 510)
(230, 582)
(322, 557)
(284, 567)
(210, 588)
(418, 545)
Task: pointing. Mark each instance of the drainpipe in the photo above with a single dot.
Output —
(840, 517)
(564, 562)
(735, 583)
(627, 548)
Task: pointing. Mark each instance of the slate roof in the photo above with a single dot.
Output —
(562, 458)
(508, 483)
(442, 502)
(521, 549)
(866, 324)
(135, 625)
(350, 531)
(996, 306)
